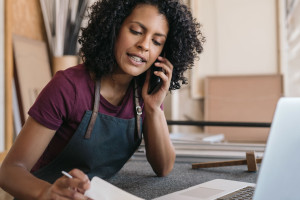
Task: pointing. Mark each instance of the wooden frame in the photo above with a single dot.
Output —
(8, 78)
(24, 18)
(34, 59)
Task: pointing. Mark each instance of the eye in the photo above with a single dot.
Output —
(135, 32)
(156, 43)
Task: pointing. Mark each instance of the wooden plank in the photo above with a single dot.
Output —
(250, 98)
(2, 156)
(24, 18)
(27, 19)
(8, 75)
(2, 78)
(30, 56)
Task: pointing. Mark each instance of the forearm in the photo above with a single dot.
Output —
(159, 149)
(20, 183)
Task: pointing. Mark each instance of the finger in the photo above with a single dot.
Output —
(73, 194)
(79, 180)
(166, 62)
(64, 193)
(76, 173)
(165, 80)
(166, 66)
(58, 197)
(63, 182)
(80, 190)
(163, 76)
(165, 69)
(83, 186)
(78, 184)
(79, 196)
(68, 187)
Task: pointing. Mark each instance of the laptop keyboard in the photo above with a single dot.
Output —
(242, 194)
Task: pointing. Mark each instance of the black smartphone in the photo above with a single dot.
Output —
(155, 82)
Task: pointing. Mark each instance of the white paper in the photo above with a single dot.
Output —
(196, 137)
(102, 190)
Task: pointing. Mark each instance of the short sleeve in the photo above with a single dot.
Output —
(55, 102)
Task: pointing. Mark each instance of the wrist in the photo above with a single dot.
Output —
(150, 109)
(43, 192)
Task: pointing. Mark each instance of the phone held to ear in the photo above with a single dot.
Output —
(155, 82)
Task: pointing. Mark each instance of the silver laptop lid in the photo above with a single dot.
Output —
(279, 176)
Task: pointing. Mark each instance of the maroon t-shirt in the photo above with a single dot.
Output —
(61, 106)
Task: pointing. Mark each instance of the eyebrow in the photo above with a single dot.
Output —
(144, 27)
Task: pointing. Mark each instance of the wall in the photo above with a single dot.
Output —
(223, 54)
(291, 70)
(241, 39)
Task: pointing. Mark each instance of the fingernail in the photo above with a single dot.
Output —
(78, 195)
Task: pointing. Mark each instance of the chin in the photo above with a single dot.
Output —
(135, 72)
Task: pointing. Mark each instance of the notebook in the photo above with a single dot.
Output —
(103, 190)
(279, 175)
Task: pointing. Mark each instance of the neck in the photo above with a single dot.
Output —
(114, 87)
(116, 81)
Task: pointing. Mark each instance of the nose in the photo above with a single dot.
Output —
(144, 43)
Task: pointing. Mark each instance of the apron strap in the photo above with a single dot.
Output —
(95, 111)
(138, 111)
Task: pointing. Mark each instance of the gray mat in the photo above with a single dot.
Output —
(137, 178)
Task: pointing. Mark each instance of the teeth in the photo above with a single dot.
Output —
(137, 59)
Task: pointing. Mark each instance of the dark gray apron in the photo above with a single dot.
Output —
(100, 146)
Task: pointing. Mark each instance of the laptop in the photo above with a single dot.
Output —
(279, 175)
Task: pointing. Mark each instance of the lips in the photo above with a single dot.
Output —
(136, 58)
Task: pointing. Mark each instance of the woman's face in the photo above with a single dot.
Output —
(140, 40)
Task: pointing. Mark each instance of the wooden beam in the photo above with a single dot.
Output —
(2, 156)
(8, 75)
(24, 18)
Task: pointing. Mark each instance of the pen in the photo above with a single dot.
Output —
(67, 174)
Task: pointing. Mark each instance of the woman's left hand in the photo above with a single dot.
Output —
(157, 98)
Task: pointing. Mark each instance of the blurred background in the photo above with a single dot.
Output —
(251, 58)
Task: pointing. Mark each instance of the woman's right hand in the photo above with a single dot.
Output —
(15, 176)
(68, 188)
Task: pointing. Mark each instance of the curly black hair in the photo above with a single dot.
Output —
(184, 41)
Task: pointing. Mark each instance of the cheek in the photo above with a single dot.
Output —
(121, 46)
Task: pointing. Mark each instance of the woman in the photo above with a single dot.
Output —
(89, 119)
